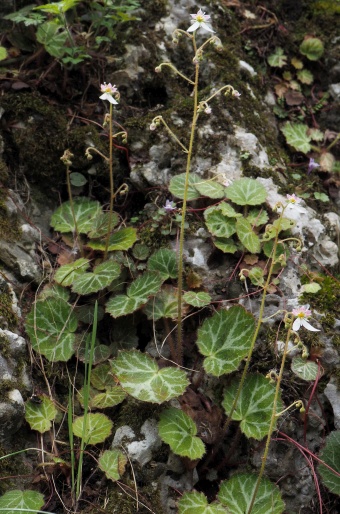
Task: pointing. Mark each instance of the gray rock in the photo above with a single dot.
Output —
(333, 394)
(12, 411)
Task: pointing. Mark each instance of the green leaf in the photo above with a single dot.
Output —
(57, 8)
(145, 285)
(246, 191)
(312, 48)
(140, 376)
(312, 287)
(12, 501)
(40, 415)
(53, 37)
(305, 369)
(51, 325)
(121, 305)
(121, 240)
(110, 397)
(247, 236)
(176, 186)
(297, 137)
(199, 299)
(113, 463)
(101, 377)
(305, 76)
(102, 276)
(210, 188)
(85, 211)
(256, 276)
(257, 217)
(165, 262)
(95, 430)
(226, 245)
(219, 224)
(141, 252)
(55, 291)
(100, 225)
(225, 339)
(77, 179)
(3, 53)
(179, 431)
(163, 305)
(237, 492)
(322, 197)
(331, 456)
(196, 503)
(277, 59)
(254, 406)
(66, 274)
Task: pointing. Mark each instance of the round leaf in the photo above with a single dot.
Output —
(176, 186)
(98, 427)
(297, 137)
(225, 339)
(165, 262)
(254, 406)
(179, 431)
(51, 325)
(66, 274)
(236, 493)
(199, 299)
(77, 179)
(39, 415)
(101, 277)
(121, 240)
(247, 236)
(312, 48)
(113, 463)
(196, 503)
(85, 211)
(25, 500)
(246, 191)
(140, 376)
(331, 456)
(305, 369)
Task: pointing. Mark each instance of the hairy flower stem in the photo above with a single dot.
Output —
(111, 186)
(184, 209)
(66, 160)
(272, 421)
(259, 323)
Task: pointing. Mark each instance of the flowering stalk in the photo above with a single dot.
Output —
(66, 159)
(110, 93)
(199, 20)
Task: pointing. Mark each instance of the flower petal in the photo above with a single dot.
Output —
(297, 324)
(206, 27)
(308, 326)
(194, 27)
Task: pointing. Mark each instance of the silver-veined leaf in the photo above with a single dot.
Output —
(247, 236)
(237, 492)
(297, 136)
(219, 224)
(254, 407)
(113, 463)
(177, 183)
(85, 211)
(165, 262)
(196, 503)
(94, 430)
(40, 414)
(140, 376)
(21, 502)
(121, 305)
(101, 277)
(331, 456)
(66, 274)
(51, 325)
(199, 299)
(179, 431)
(304, 368)
(246, 191)
(123, 239)
(210, 188)
(224, 339)
(163, 305)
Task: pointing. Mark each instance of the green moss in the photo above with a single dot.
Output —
(9, 224)
(327, 299)
(8, 319)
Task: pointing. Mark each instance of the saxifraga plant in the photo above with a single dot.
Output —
(200, 20)
(60, 320)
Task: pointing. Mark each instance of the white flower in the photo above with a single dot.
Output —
(200, 20)
(293, 199)
(301, 314)
(108, 90)
(207, 110)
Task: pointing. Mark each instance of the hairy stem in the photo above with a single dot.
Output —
(184, 209)
(111, 187)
